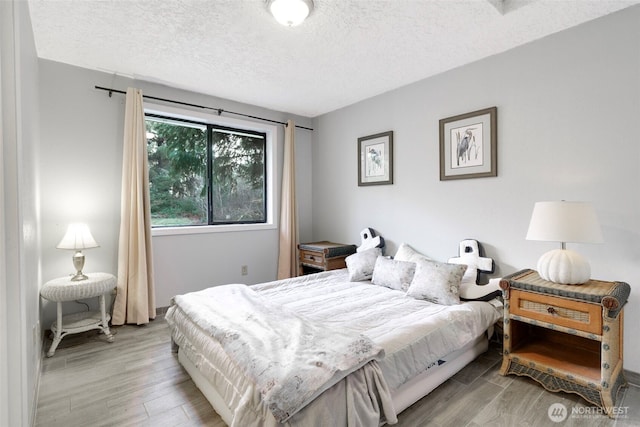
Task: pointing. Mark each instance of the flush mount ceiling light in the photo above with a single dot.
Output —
(290, 12)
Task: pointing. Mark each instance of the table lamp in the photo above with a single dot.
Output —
(78, 237)
(562, 221)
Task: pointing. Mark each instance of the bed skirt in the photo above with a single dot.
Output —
(405, 396)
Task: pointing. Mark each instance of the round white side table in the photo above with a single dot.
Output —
(63, 289)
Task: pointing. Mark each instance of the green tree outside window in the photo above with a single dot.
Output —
(201, 174)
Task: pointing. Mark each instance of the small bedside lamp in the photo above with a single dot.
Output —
(564, 222)
(78, 237)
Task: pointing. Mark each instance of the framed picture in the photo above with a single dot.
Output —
(375, 159)
(468, 145)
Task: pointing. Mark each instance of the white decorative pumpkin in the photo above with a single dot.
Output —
(564, 266)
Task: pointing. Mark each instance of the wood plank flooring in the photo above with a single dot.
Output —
(137, 381)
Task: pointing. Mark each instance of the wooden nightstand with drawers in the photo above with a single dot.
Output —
(566, 337)
(323, 256)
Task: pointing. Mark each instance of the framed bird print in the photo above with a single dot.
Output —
(375, 159)
(468, 145)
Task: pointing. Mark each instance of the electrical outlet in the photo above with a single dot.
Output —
(244, 270)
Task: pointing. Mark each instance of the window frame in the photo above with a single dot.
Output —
(210, 166)
(271, 175)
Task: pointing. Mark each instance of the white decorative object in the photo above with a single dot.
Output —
(369, 240)
(564, 222)
(470, 291)
(564, 266)
(469, 255)
(67, 289)
(290, 12)
(78, 237)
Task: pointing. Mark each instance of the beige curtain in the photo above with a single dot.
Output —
(135, 301)
(288, 254)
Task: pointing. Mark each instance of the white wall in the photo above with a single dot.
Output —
(80, 170)
(20, 346)
(567, 105)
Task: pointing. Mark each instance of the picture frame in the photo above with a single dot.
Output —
(468, 145)
(375, 159)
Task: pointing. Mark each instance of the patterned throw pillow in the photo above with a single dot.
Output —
(393, 274)
(437, 282)
(361, 264)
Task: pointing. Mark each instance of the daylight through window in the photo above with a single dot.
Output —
(204, 174)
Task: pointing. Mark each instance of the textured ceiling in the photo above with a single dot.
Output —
(346, 51)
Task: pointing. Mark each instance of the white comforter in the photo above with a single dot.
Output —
(288, 358)
(412, 333)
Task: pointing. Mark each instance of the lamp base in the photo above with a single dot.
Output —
(565, 267)
(79, 276)
(78, 263)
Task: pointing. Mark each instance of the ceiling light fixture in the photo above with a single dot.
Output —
(290, 12)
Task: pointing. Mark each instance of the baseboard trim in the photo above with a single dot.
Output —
(633, 378)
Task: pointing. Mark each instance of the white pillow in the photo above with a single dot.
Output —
(437, 282)
(393, 274)
(407, 253)
(361, 264)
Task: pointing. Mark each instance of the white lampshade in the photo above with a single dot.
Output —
(290, 12)
(563, 222)
(77, 237)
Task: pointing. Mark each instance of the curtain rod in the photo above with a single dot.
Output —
(217, 110)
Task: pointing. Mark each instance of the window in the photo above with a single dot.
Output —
(205, 174)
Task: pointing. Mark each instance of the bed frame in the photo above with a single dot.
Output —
(405, 396)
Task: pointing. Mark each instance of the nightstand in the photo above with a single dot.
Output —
(323, 256)
(566, 337)
(64, 289)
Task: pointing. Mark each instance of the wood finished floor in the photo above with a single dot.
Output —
(137, 381)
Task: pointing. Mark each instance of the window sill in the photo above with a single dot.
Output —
(208, 229)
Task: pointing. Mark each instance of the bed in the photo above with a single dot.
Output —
(333, 348)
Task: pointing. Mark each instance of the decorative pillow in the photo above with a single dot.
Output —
(393, 274)
(437, 282)
(361, 264)
(407, 253)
